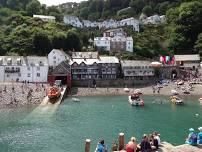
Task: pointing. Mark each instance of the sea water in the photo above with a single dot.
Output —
(31, 129)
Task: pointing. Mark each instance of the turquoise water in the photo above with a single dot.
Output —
(65, 128)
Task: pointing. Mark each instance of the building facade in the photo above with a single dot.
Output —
(191, 61)
(106, 24)
(18, 68)
(55, 57)
(137, 70)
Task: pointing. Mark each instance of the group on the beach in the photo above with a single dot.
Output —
(194, 138)
(147, 144)
(156, 88)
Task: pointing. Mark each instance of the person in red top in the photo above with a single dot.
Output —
(132, 145)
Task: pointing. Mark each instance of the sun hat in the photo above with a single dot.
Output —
(200, 128)
(191, 129)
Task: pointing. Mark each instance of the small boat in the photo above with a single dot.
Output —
(76, 99)
(138, 91)
(135, 100)
(176, 100)
(174, 92)
(53, 94)
(180, 83)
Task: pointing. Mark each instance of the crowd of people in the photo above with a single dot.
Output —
(194, 138)
(148, 144)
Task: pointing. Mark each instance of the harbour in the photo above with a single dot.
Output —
(66, 127)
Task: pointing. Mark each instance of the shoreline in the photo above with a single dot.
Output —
(165, 91)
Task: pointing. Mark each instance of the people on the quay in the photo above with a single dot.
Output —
(156, 136)
(145, 145)
(132, 145)
(192, 137)
(101, 147)
(199, 138)
(153, 142)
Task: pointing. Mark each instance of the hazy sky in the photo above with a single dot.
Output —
(56, 2)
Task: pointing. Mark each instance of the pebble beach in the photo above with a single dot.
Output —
(21, 94)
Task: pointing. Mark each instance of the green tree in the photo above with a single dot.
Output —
(42, 44)
(147, 10)
(33, 7)
(72, 41)
(58, 41)
(198, 44)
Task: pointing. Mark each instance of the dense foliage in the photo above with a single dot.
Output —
(21, 34)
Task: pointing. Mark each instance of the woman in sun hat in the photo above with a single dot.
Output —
(199, 138)
(192, 137)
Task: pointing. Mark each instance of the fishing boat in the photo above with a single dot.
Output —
(54, 93)
(176, 100)
(174, 92)
(135, 100)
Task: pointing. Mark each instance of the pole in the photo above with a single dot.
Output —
(121, 141)
(87, 146)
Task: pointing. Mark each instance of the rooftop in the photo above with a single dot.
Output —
(126, 63)
(84, 55)
(188, 57)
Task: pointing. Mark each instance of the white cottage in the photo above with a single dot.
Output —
(55, 57)
(102, 42)
(18, 68)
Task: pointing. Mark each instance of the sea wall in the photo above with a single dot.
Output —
(113, 83)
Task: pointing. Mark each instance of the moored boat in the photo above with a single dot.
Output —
(135, 100)
(176, 100)
(53, 94)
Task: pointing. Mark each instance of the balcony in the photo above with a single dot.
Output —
(12, 70)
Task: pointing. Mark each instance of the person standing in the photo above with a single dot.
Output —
(145, 145)
(132, 145)
(101, 147)
(199, 138)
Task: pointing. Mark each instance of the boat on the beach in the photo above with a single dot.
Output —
(135, 100)
(174, 92)
(176, 100)
(186, 91)
(53, 94)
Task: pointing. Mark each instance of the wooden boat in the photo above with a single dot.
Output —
(53, 94)
(176, 100)
(135, 100)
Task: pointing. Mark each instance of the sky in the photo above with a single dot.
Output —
(56, 2)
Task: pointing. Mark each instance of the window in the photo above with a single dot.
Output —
(54, 57)
(28, 75)
(19, 74)
(38, 68)
(8, 75)
(54, 62)
(28, 68)
(38, 74)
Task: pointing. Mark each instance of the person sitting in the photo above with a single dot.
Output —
(199, 138)
(145, 145)
(192, 138)
(101, 147)
(132, 145)
(153, 142)
(157, 137)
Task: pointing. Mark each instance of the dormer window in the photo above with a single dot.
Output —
(1, 61)
(41, 63)
(9, 61)
(18, 61)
